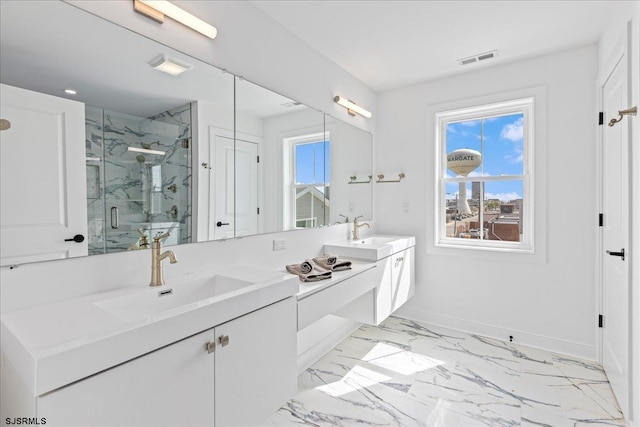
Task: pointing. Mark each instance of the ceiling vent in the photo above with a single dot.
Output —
(477, 58)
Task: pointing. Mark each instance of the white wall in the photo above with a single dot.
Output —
(548, 303)
(614, 33)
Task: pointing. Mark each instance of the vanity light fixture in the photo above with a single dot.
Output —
(146, 151)
(169, 65)
(157, 9)
(351, 107)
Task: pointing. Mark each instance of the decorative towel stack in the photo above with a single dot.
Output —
(318, 268)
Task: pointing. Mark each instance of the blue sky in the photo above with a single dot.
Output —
(500, 140)
(311, 167)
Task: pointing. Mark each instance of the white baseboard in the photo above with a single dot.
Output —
(554, 345)
(324, 345)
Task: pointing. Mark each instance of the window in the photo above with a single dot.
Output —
(309, 187)
(484, 176)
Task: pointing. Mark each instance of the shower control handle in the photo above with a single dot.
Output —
(78, 238)
(114, 218)
(220, 223)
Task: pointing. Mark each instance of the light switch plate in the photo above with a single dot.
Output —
(279, 244)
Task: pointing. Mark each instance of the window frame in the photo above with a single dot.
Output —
(525, 106)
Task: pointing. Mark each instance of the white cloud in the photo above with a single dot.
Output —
(513, 131)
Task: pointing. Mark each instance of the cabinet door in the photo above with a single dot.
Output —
(402, 278)
(255, 364)
(384, 303)
(172, 386)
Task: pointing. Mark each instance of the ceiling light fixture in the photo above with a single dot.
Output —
(70, 91)
(169, 65)
(351, 107)
(157, 9)
(146, 151)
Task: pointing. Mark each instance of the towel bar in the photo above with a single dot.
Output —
(381, 178)
(353, 180)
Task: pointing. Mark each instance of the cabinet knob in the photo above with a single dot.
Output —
(210, 346)
(223, 340)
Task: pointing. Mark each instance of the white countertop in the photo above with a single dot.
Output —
(306, 289)
(56, 344)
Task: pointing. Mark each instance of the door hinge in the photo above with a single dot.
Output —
(258, 159)
(600, 320)
(600, 220)
(600, 118)
(258, 211)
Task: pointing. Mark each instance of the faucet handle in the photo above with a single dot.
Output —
(346, 218)
(162, 236)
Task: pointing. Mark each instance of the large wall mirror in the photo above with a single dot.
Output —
(137, 151)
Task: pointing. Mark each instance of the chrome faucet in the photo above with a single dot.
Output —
(357, 226)
(157, 276)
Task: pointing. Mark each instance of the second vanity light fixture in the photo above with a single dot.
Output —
(157, 9)
(351, 107)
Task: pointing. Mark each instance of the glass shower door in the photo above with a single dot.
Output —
(147, 174)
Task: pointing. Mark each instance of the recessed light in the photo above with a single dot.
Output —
(70, 91)
(168, 65)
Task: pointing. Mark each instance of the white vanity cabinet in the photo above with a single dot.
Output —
(237, 373)
(394, 285)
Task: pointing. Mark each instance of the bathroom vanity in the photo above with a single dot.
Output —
(199, 354)
(393, 278)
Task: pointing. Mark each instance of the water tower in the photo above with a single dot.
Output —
(462, 162)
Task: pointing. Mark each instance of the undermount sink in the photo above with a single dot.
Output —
(155, 300)
(371, 248)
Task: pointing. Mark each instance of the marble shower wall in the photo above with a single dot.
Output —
(95, 178)
(139, 185)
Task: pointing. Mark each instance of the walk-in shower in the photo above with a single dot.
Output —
(138, 178)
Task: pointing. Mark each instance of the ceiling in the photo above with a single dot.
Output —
(389, 44)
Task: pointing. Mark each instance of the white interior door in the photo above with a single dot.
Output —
(221, 186)
(615, 235)
(246, 188)
(43, 177)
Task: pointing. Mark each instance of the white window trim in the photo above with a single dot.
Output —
(535, 251)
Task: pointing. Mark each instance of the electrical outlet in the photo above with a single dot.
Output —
(405, 207)
(279, 244)
(351, 206)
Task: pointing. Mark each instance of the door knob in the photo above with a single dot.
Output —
(78, 238)
(620, 254)
(220, 223)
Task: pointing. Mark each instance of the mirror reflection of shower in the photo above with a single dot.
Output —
(143, 178)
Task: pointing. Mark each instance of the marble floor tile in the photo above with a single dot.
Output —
(407, 373)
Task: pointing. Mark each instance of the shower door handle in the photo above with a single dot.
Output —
(115, 218)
